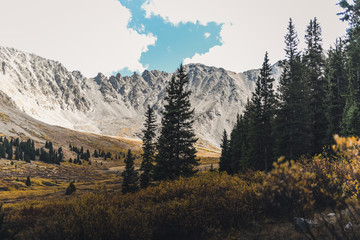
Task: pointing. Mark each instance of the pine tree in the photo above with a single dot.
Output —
(176, 151)
(314, 79)
(260, 114)
(130, 176)
(10, 153)
(70, 189)
(148, 147)
(335, 74)
(255, 131)
(95, 154)
(33, 151)
(2, 151)
(237, 145)
(26, 158)
(251, 140)
(17, 153)
(293, 136)
(350, 124)
(225, 158)
(28, 181)
(268, 112)
(6, 145)
(351, 116)
(17, 142)
(351, 14)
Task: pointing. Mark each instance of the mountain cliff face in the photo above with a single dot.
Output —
(115, 105)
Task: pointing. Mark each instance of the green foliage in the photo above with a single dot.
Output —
(176, 151)
(130, 176)
(10, 153)
(148, 148)
(313, 60)
(350, 124)
(251, 140)
(225, 158)
(2, 151)
(237, 148)
(335, 74)
(293, 135)
(81, 153)
(261, 114)
(17, 153)
(70, 189)
(351, 12)
(28, 181)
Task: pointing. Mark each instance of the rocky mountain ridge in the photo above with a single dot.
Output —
(115, 105)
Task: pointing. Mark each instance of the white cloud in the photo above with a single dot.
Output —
(250, 27)
(207, 35)
(92, 35)
(86, 35)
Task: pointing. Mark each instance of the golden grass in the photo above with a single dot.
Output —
(51, 180)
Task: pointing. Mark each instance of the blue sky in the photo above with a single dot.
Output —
(124, 36)
(173, 43)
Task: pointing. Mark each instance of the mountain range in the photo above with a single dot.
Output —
(45, 90)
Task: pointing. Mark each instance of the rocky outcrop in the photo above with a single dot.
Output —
(115, 105)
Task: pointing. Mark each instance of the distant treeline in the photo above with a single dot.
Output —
(85, 155)
(16, 149)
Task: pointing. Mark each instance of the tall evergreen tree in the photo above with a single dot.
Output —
(268, 112)
(351, 14)
(351, 116)
(130, 176)
(251, 143)
(314, 79)
(335, 74)
(225, 158)
(176, 151)
(148, 147)
(238, 145)
(292, 118)
(255, 131)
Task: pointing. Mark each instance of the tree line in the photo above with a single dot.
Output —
(318, 96)
(25, 150)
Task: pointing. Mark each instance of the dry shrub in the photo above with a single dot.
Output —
(197, 207)
(209, 205)
(303, 187)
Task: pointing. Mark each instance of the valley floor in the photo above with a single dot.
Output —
(51, 180)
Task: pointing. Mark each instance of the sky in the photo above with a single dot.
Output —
(127, 36)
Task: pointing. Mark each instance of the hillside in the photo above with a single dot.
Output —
(115, 105)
